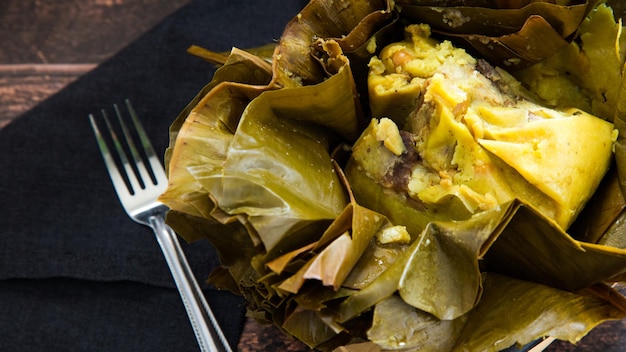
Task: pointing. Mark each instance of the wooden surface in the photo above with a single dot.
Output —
(46, 44)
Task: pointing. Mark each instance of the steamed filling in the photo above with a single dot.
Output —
(456, 130)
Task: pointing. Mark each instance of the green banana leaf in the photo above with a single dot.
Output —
(397, 325)
(283, 137)
(268, 155)
(577, 265)
(240, 79)
(538, 310)
(494, 324)
(554, 316)
(620, 124)
(449, 288)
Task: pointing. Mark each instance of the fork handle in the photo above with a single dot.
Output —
(208, 333)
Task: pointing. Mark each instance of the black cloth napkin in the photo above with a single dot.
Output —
(76, 274)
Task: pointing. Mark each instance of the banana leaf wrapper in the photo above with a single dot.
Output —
(333, 306)
(511, 34)
(216, 118)
(600, 220)
(237, 82)
(587, 72)
(491, 323)
(616, 234)
(476, 330)
(273, 125)
(259, 210)
(349, 22)
(229, 93)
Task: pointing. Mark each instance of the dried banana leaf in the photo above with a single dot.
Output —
(251, 170)
(548, 317)
(597, 222)
(510, 34)
(340, 248)
(587, 73)
(211, 116)
(494, 22)
(537, 311)
(620, 124)
(398, 326)
(294, 62)
(526, 249)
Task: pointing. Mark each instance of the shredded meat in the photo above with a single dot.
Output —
(399, 175)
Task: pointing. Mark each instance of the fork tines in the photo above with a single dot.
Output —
(136, 175)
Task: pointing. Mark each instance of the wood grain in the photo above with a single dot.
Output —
(47, 44)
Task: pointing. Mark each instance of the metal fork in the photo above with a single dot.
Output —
(139, 199)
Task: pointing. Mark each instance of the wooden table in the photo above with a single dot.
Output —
(46, 44)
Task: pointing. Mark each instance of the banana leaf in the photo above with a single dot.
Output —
(273, 149)
(577, 265)
(235, 259)
(264, 52)
(448, 289)
(537, 311)
(519, 328)
(398, 326)
(224, 117)
(599, 221)
(587, 73)
(241, 78)
(534, 42)
(495, 21)
(251, 170)
(511, 34)
(494, 324)
(339, 251)
(620, 124)
(227, 109)
(294, 64)
(616, 235)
